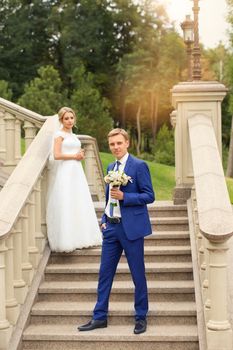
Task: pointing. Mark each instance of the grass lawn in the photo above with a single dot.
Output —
(230, 188)
(163, 178)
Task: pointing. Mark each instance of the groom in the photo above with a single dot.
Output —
(124, 229)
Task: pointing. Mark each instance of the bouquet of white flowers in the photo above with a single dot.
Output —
(116, 179)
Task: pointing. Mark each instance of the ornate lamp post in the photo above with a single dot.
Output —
(196, 47)
(187, 27)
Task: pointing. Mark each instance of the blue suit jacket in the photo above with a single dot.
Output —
(139, 193)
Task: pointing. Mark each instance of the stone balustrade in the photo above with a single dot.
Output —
(23, 203)
(93, 167)
(213, 226)
(16, 123)
(21, 238)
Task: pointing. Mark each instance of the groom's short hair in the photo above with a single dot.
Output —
(118, 131)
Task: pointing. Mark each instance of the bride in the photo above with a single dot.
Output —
(70, 215)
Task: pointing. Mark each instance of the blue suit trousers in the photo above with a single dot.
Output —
(114, 242)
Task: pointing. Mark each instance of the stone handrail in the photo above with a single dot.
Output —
(23, 206)
(15, 122)
(24, 177)
(21, 112)
(14, 119)
(22, 228)
(213, 221)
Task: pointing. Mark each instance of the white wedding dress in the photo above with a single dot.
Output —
(70, 215)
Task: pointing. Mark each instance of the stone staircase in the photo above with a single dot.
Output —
(67, 295)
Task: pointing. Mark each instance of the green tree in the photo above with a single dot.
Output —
(146, 75)
(24, 40)
(5, 90)
(97, 33)
(92, 109)
(164, 149)
(44, 94)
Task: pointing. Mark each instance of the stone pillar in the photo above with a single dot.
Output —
(205, 285)
(32, 249)
(10, 163)
(19, 284)
(218, 328)
(40, 240)
(12, 307)
(27, 270)
(17, 140)
(44, 191)
(5, 328)
(30, 133)
(190, 98)
(89, 167)
(2, 136)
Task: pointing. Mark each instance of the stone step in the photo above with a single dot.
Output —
(157, 209)
(168, 238)
(168, 223)
(89, 271)
(119, 313)
(121, 290)
(152, 254)
(114, 337)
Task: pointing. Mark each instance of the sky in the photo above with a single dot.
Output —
(212, 18)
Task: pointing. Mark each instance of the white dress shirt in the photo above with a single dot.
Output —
(116, 210)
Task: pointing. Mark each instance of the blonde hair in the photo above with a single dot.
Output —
(62, 111)
(119, 131)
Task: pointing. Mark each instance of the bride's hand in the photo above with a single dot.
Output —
(80, 155)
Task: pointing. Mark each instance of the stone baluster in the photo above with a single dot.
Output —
(205, 285)
(201, 254)
(40, 240)
(30, 133)
(5, 327)
(44, 190)
(33, 250)
(27, 270)
(17, 140)
(218, 328)
(89, 167)
(10, 142)
(12, 307)
(98, 182)
(2, 136)
(19, 284)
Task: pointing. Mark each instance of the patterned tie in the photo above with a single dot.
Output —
(116, 167)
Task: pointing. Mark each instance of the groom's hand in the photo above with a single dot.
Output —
(117, 194)
(103, 226)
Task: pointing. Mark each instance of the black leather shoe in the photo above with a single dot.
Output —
(93, 324)
(140, 326)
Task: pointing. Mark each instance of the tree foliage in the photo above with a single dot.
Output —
(24, 40)
(114, 61)
(92, 109)
(44, 94)
(5, 90)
